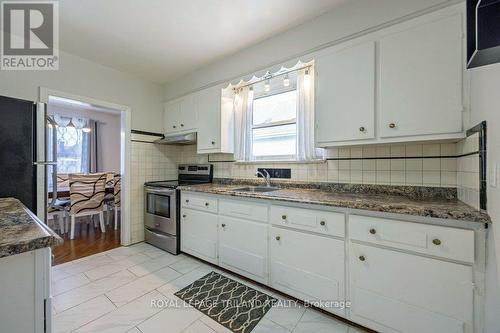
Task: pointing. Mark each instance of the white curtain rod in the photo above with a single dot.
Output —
(269, 76)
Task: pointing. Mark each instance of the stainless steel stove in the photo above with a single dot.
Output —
(162, 205)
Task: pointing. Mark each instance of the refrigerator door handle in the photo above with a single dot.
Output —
(40, 160)
(44, 163)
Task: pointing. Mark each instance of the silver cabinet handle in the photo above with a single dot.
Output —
(373, 231)
(223, 225)
(436, 241)
(362, 129)
(322, 223)
(392, 125)
(278, 238)
(362, 258)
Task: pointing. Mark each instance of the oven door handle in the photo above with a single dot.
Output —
(156, 191)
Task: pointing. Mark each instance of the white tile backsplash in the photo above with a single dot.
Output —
(372, 164)
(467, 170)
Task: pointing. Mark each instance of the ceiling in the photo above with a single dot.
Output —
(161, 40)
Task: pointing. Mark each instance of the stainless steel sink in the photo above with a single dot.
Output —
(259, 189)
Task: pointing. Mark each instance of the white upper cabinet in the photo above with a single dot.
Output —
(188, 114)
(215, 120)
(345, 94)
(401, 83)
(180, 115)
(420, 81)
(171, 116)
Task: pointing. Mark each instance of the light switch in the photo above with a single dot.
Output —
(494, 175)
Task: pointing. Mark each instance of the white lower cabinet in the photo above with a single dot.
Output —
(199, 234)
(243, 247)
(309, 267)
(25, 296)
(399, 276)
(392, 291)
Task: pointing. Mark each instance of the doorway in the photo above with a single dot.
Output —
(86, 185)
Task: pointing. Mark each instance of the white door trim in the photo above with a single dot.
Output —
(125, 236)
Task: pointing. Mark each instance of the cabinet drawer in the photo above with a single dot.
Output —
(200, 202)
(242, 209)
(451, 243)
(328, 223)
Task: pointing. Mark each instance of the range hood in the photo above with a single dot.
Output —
(181, 139)
(483, 32)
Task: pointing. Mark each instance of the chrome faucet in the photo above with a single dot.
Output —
(267, 176)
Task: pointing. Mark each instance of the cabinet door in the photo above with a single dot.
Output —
(199, 234)
(243, 247)
(345, 94)
(309, 267)
(188, 115)
(171, 117)
(396, 291)
(209, 129)
(421, 72)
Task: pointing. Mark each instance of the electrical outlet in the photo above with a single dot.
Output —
(494, 175)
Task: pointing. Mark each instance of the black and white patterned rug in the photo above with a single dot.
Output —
(230, 303)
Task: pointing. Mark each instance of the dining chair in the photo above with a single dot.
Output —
(58, 210)
(62, 180)
(109, 197)
(117, 193)
(86, 194)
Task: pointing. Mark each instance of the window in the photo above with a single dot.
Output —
(274, 118)
(274, 121)
(72, 153)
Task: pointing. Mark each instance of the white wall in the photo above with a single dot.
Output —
(85, 78)
(108, 134)
(485, 105)
(344, 21)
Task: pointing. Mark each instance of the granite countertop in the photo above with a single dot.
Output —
(416, 201)
(21, 231)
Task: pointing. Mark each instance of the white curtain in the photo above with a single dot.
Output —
(305, 117)
(243, 102)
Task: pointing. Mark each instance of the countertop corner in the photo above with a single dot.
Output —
(21, 230)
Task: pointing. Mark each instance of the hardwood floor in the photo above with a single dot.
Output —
(88, 241)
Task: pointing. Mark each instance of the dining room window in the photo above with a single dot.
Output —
(72, 149)
(76, 141)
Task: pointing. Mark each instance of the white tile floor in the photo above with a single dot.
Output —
(113, 291)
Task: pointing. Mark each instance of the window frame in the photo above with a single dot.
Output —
(281, 158)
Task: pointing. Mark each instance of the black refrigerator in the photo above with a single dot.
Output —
(18, 147)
